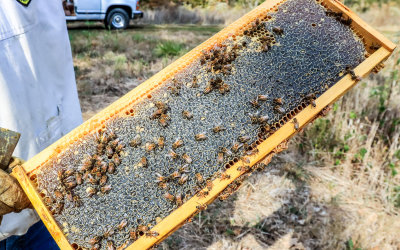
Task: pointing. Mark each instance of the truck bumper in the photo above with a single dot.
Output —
(137, 14)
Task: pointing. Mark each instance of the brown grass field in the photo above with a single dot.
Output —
(336, 187)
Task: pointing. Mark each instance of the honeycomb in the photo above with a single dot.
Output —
(109, 190)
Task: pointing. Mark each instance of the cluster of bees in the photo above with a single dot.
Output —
(94, 172)
(200, 122)
(141, 230)
(339, 17)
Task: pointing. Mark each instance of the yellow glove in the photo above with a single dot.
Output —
(12, 197)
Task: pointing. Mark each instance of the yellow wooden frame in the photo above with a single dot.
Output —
(26, 174)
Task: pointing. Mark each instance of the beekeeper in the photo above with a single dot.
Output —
(38, 98)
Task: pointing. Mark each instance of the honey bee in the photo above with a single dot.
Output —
(184, 169)
(111, 168)
(100, 148)
(255, 103)
(110, 245)
(218, 128)
(136, 141)
(95, 169)
(178, 200)
(114, 143)
(91, 191)
(161, 105)
(246, 159)
(104, 167)
(174, 90)
(87, 165)
(119, 147)
(103, 180)
(243, 169)
(178, 143)
(161, 142)
(60, 174)
(69, 196)
(187, 115)
(85, 175)
(199, 178)
(187, 158)
(70, 184)
(164, 121)
(200, 137)
(224, 88)
(346, 21)
(109, 151)
(48, 200)
(175, 175)
(278, 101)
(374, 46)
(296, 124)
(236, 146)
(133, 234)
(152, 234)
(91, 179)
(96, 158)
(142, 229)
(69, 171)
(105, 189)
(122, 225)
(172, 155)
(220, 158)
(223, 196)
(277, 30)
(225, 176)
(116, 160)
(150, 146)
(143, 162)
(263, 119)
(201, 207)
(96, 246)
(169, 196)
(76, 200)
(243, 138)
(194, 82)
(202, 194)
(252, 151)
(209, 185)
(279, 109)
(163, 185)
(262, 97)
(265, 47)
(207, 89)
(156, 114)
(95, 240)
(226, 151)
(183, 179)
(160, 178)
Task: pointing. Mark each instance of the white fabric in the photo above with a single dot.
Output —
(38, 96)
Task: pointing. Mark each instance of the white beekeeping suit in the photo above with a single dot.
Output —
(38, 96)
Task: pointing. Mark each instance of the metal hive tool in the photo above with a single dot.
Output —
(137, 170)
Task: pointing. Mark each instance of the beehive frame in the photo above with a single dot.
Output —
(26, 174)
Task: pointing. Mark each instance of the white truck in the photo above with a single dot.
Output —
(116, 14)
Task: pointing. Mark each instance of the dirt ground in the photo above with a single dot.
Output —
(336, 187)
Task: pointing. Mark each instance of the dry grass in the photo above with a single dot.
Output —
(337, 185)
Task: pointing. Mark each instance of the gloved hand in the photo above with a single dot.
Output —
(12, 197)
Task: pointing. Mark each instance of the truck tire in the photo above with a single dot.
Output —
(117, 19)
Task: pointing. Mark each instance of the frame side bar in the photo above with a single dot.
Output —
(47, 218)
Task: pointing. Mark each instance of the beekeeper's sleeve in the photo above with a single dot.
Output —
(38, 95)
